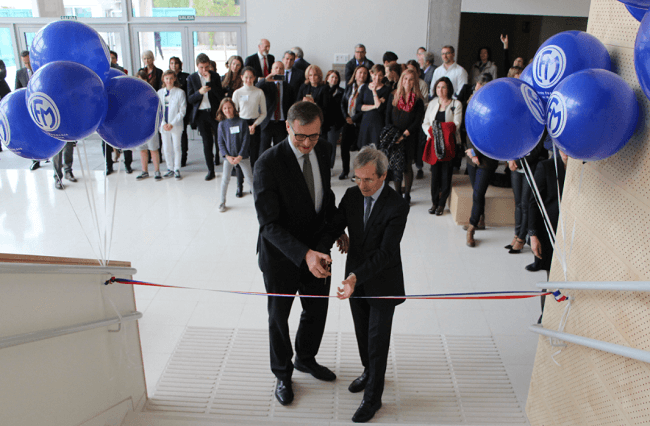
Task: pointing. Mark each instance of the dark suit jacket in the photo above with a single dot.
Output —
(429, 75)
(301, 64)
(194, 97)
(352, 64)
(374, 253)
(254, 61)
(158, 83)
(297, 79)
(22, 78)
(271, 95)
(547, 184)
(289, 224)
(4, 87)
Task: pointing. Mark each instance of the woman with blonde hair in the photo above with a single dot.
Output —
(317, 91)
(405, 110)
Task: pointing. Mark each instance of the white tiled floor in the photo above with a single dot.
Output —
(173, 234)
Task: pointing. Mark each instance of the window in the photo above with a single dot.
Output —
(173, 8)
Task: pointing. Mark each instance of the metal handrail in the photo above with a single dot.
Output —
(598, 285)
(40, 268)
(626, 351)
(20, 339)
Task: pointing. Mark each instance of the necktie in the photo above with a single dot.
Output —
(309, 177)
(366, 214)
(286, 76)
(266, 68)
(277, 104)
(166, 107)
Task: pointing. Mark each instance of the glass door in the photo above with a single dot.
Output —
(8, 56)
(218, 45)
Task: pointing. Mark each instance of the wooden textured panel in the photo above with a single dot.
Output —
(605, 212)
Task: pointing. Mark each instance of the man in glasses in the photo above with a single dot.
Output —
(449, 69)
(294, 201)
(375, 217)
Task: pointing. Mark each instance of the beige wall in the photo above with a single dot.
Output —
(608, 203)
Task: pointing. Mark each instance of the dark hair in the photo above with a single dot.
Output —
(249, 68)
(305, 112)
(290, 53)
(143, 74)
(422, 48)
(453, 51)
(414, 63)
(330, 72)
(220, 115)
(513, 71)
(484, 78)
(24, 53)
(213, 64)
(202, 58)
(112, 52)
(450, 87)
(177, 60)
(397, 68)
(489, 52)
(354, 75)
(231, 80)
(389, 57)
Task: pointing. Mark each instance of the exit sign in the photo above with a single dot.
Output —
(69, 18)
(186, 17)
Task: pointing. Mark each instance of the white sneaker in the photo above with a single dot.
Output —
(222, 207)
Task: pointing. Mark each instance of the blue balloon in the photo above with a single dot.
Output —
(19, 133)
(642, 55)
(66, 100)
(71, 41)
(134, 113)
(114, 72)
(527, 74)
(505, 119)
(643, 4)
(564, 54)
(592, 114)
(637, 12)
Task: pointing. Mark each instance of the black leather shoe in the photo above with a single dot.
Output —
(533, 267)
(35, 165)
(129, 170)
(240, 192)
(284, 392)
(359, 383)
(210, 176)
(419, 174)
(183, 162)
(109, 172)
(440, 210)
(315, 369)
(432, 210)
(343, 176)
(366, 411)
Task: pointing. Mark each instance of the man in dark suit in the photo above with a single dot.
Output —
(279, 98)
(294, 202)
(22, 79)
(204, 93)
(176, 65)
(300, 64)
(261, 61)
(359, 59)
(292, 75)
(428, 67)
(375, 216)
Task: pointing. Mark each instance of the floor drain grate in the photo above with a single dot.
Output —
(224, 373)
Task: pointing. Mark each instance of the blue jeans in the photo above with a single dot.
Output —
(481, 181)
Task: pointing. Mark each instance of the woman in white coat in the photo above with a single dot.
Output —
(174, 104)
(443, 109)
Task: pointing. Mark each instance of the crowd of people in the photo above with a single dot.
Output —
(265, 114)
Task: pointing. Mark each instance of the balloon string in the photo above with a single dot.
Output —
(540, 203)
(87, 183)
(562, 255)
(117, 185)
(94, 204)
(105, 219)
(75, 211)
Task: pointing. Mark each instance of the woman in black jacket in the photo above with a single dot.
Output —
(317, 91)
(334, 113)
(350, 131)
(405, 110)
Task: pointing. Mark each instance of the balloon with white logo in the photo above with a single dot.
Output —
(70, 41)
(19, 133)
(564, 54)
(66, 100)
(505, 119)
(134, 113)
(592, 114)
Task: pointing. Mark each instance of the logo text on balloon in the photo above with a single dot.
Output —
(549, 66)
(44, 112)
(556, 115)
(534, 103)
(5, 130)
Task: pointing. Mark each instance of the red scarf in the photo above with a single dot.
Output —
(408, 105)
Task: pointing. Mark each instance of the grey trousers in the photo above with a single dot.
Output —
(66, 154)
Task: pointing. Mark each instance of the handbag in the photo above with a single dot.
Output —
(394, 151)
(444, 144)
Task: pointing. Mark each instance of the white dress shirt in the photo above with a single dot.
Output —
(205, 102)
(455, 73)
(318, 184)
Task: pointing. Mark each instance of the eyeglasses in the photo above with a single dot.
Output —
(446, 53)
(301, 137)
(366, 181)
